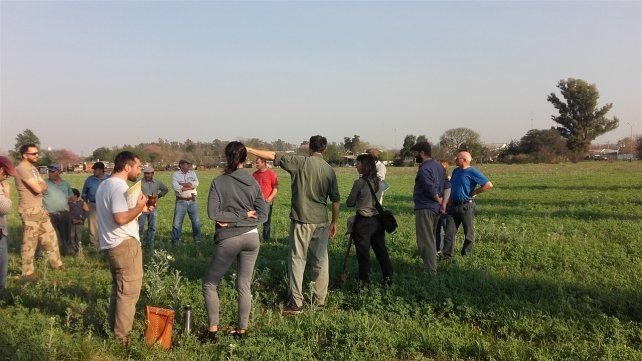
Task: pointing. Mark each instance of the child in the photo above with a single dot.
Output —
(78, 216)
(441, 225)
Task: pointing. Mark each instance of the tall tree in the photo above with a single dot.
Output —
(580, 119)
(26, 137)
(545, 145)
(458, 139)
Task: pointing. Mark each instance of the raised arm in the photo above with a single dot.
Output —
(265, 154)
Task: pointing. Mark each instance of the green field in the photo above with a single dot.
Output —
(556, 274)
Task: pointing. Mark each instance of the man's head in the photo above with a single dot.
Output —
(374, 152)
(317, 144)
(148, 173)
(30, 153)
(421, 151)
(6, 168)
(128, 163)
(99, 169)
(54, 171)
(76, 192)
(463, 159)
(184, 165)
(260, 164)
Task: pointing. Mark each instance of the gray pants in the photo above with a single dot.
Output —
(245, 249)
(462, 214)
(4, 261)
(426, 225)
(314, 237)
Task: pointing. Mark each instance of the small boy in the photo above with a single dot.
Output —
(78, 216)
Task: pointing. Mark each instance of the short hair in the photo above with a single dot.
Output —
(318, 143)
(75, 191)
(122, 159)
(423, 147)
(24, 148)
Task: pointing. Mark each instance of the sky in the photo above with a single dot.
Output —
(83, 75)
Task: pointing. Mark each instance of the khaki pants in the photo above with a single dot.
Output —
(92, 222)
(304, 237)
(126, 266)
(38, 228)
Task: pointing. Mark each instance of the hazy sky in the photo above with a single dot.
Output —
(87, 74)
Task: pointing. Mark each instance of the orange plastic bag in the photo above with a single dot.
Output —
(160, 322)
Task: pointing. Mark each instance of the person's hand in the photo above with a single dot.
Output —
(141, 201)
(222, 224)
(251, 214)
(333, 230)
(442, 209)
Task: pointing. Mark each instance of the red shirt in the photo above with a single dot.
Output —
(267, 180)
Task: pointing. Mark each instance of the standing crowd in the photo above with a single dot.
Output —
(238, 203)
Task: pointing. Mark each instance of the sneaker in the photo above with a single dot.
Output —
(208, 337)
(292, 309)
(238, 334)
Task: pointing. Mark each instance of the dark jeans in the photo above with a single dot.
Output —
(462, 214)
(4, 261)
(368, 231)
(441, 225)
(266, 225)
(61, 222)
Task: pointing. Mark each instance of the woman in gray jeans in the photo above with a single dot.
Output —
(236, 204)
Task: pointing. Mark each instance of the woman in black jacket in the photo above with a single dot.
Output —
(368, 230)
(236, 204)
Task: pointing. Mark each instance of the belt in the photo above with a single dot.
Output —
(462, 202)
(185, 198)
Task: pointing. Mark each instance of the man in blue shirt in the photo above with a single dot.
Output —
(89, 194)
(466, 183)
(55, 200)
(428, 195)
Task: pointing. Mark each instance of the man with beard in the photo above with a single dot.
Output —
(120, 243)
(428, 196)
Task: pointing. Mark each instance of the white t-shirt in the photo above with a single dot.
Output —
(111, 198)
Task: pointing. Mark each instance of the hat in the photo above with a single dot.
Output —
(54, 167)
(422, 146)
(183, 161)
(7, 165)
(98, 165)
(148, 170)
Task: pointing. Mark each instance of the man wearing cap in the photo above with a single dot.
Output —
(153, 189)
(56, 202)
(467, 182)
(184, 183)
(36, 222)
(428, 196)
(6, 170)
(88, 194)
(381, 172)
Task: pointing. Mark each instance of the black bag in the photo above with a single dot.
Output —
(386, 217)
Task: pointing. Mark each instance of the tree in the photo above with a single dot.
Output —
(458, 139)
(545, 145)
(580, 119)
(26, 137)
(639, 147)
(102, 153)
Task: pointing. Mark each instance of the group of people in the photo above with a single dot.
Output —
(238, 203)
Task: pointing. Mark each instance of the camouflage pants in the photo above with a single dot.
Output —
(38, 228)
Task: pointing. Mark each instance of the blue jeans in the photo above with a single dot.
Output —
(4, 261)
(180, 208)
(266, 225)
(150, 219)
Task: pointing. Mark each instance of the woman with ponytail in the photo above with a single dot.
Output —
(236, 205)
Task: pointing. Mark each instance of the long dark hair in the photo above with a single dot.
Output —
(235, 153)
(369, 170)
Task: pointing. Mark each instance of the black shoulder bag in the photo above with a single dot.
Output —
(386, 217)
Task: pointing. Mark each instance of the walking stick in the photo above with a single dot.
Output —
(344, 274)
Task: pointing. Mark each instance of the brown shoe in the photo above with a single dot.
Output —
(30, 277)
(292, 309)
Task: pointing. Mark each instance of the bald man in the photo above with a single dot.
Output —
(466, 183)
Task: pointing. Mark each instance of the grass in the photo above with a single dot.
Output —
(556, 274)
